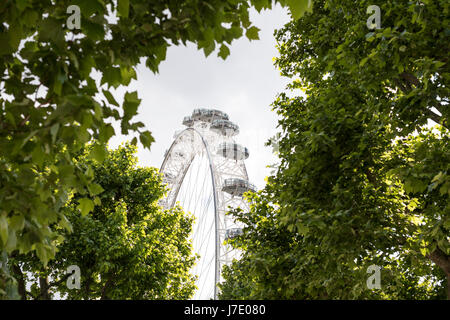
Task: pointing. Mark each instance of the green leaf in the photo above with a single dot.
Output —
(97, 201)
(447, 223)
(85, 206)
(424, 251)
(261, 4)
(438, 178)
(17, 222)
(22, 4)
(209, 49)
(95, 189)
(98, 152)
(363, 61)
(98, 111)
(51, 30)
(123, 7)
(152, 63)
(65, 223)
(86, 65)
(130, 104)
(38, 155)
(146, 139)
(445, 189)
(30, 17)
(302, 229)
(110, 98)
(370, 36)
(89, 7)
(106, 133)
(224, 52)
(112, 76)
(3, 228)
(5, 48)
(58, 83)
(42, 253)
(127, 74)
(89, 172)
(53, 131)
(11, 244)
(299, 7)
(15, 35)
(252, 33)
(10, 117)
(94, 31)
(160, 52)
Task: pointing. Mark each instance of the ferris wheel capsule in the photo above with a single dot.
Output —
(208, 115)
(233, 233)
(233, 151)
(237, 187)
(225, 127)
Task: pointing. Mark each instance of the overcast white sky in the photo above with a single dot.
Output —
(243, 86)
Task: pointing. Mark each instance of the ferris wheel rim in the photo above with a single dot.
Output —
(215, 195)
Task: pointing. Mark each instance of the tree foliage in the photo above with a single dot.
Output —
(127, 247)
(51, 103)
(361, 180)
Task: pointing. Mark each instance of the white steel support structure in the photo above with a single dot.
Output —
(209, 136)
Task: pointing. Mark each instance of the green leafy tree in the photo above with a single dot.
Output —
(361, 180)
(126, 248)
(51, 105)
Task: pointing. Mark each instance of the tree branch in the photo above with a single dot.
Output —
(436, 118)
(43, 285)
(370, 177)
(107, 285)
(442, 261)
(20, 281)
(58, 282)
(408, 80)
(87, 288)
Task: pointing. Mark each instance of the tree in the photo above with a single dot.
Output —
(126, 248)
(361, 180)
(51, 104)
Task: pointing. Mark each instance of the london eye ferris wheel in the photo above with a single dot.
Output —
(205, 173)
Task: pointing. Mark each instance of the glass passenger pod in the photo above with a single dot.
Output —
(237, 187)
(233, 151)
(188, 121)
(225, 127)
(208, 115)
(233, 232)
